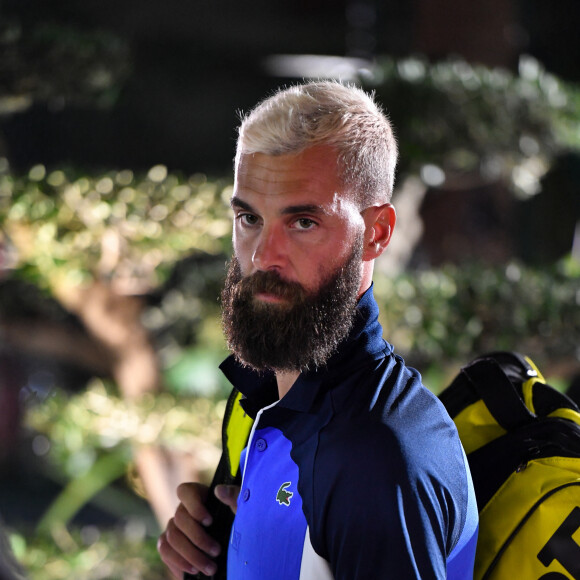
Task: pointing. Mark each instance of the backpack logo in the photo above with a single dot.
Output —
(283, 496)
(562, 547)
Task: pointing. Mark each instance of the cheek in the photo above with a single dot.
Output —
(317, 266)
(343, 244)
(243, 253)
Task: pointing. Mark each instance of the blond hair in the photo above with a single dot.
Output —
(329, 113)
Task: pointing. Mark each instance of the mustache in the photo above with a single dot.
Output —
(271, 282)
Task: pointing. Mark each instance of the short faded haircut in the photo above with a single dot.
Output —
(329, 113)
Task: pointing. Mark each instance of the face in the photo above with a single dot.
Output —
(292, 217)
(292, 286)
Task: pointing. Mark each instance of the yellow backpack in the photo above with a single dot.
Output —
(522, 440)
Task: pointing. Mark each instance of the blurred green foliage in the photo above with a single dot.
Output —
(68, 227)
(86, 442)
(467, 118)
(51, 62)
(444, 317)
(83, 427)
(124, 553)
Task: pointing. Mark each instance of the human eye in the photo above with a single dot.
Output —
(304, 224)
(247, 219)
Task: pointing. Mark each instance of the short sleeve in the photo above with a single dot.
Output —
(380, 511)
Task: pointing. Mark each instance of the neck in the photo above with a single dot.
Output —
(285, 380)
(366, 277)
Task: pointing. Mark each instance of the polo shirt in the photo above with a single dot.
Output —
(356, 473)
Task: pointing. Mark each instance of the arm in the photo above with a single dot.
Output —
(380, 515)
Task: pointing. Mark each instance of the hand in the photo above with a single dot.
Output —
(185, 546)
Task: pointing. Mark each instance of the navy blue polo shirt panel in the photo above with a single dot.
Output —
(402, 464)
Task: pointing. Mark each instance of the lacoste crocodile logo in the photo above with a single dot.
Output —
(283, 496)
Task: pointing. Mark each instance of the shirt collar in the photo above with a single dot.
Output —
(365, 342)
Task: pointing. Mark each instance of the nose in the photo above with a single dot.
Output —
(270, 252)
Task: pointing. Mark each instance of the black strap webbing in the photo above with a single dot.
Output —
(222, 515)
(498, 393)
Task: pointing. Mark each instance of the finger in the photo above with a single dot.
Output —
(178, 552)
(176, 563)
(228, 494)
(178, 573)
(193, 496)
(194, 532)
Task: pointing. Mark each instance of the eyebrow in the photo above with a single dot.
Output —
(290, 210)
(237, 202)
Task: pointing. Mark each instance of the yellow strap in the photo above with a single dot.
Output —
(528, 386)
(564, 413)
(528, 392)
(477, 426)
(527, 389)
(237, 433)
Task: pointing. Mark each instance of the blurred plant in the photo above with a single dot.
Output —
(459, 122)
(87, 439)
(97, 243)
(444, 317)
(88, 553)
(129, 230)
(83, 426)
(105, 247)
(59, 64)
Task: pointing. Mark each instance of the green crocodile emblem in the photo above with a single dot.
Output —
(283, 496)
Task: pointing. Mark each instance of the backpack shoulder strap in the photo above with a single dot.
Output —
(235, 432)
(490, 382)
(236, 429)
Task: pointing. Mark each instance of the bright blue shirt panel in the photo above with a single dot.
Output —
(267, 538)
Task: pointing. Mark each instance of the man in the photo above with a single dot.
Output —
(353, 469)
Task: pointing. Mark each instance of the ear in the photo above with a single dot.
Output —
(379, 225)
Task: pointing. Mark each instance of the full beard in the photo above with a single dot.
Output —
(298, 334)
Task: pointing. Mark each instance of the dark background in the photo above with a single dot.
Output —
(193, 64)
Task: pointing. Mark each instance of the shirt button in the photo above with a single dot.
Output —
(261, 444)
(246, 495)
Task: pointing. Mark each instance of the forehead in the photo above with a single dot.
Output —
(311, 174)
